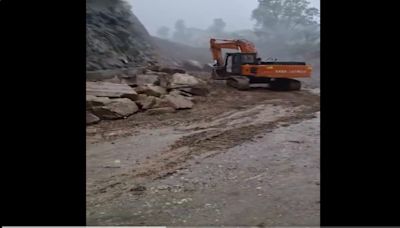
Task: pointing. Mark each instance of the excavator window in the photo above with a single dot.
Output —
(249, 59)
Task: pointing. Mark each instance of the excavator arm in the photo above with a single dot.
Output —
(216, 46)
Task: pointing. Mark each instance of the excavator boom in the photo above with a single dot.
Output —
(216, 46)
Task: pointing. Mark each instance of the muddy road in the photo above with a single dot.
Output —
(236, 158)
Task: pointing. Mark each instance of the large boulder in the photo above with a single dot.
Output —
(112, 90)
(179, 80)
(178, 101)
(91, 118)
(145, 102)
(93, 101)
(116, 109)
(189, 84)
(151, 90)
(143, 79)
(161, 103)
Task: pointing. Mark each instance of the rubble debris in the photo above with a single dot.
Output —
(172, 70)
(180, 92)
(138, 190)
(156, 111)
(151, 90)
(179, 101)
(143, 79)
(93, 101)
(91, 118)
(179, 80)
(145, 102)
(198, 91)
(116, 109)
(112, 90)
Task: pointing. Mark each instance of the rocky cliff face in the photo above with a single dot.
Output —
(115, 37)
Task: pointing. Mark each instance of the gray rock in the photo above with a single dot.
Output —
(179, 101)
(184, 81)
(93, 101)
(145, 102)
(161, 103)
(116, 109)
(143, 79)
(91, 118)
(151, 90)
(112, 90)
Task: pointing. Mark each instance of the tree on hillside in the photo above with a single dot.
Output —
(217, 28)
(181, 33)
(290, 26)
(163, 32)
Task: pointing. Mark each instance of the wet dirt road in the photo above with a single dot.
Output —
(253, 161)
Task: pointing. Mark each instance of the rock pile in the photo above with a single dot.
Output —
(154, 90)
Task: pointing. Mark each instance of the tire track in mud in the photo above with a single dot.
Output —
(206, 139)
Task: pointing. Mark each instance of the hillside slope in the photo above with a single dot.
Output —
(115, 36)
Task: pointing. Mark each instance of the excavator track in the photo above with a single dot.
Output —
(239, 82)
(285, 84)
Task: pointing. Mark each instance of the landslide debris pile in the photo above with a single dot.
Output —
(115, 37)
(153, 90)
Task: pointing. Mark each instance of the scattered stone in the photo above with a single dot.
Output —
(156, 111)
(144, 79)
(138, 189)
(91, 118)
(161, 103)
(179, 80)
(116, 109)
(101, 75)
(93, 101)
(179, 101)
(180, 92)
(163, 187)
(145, 102)
(164, 80)
(151, 90)
(111, 90)
(199, 90)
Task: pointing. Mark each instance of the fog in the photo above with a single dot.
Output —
(196, 13)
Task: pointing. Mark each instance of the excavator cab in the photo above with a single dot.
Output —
(233, 63)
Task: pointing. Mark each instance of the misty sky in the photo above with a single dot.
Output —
(196, 13)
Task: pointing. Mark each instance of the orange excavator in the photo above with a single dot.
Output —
(243, 68)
